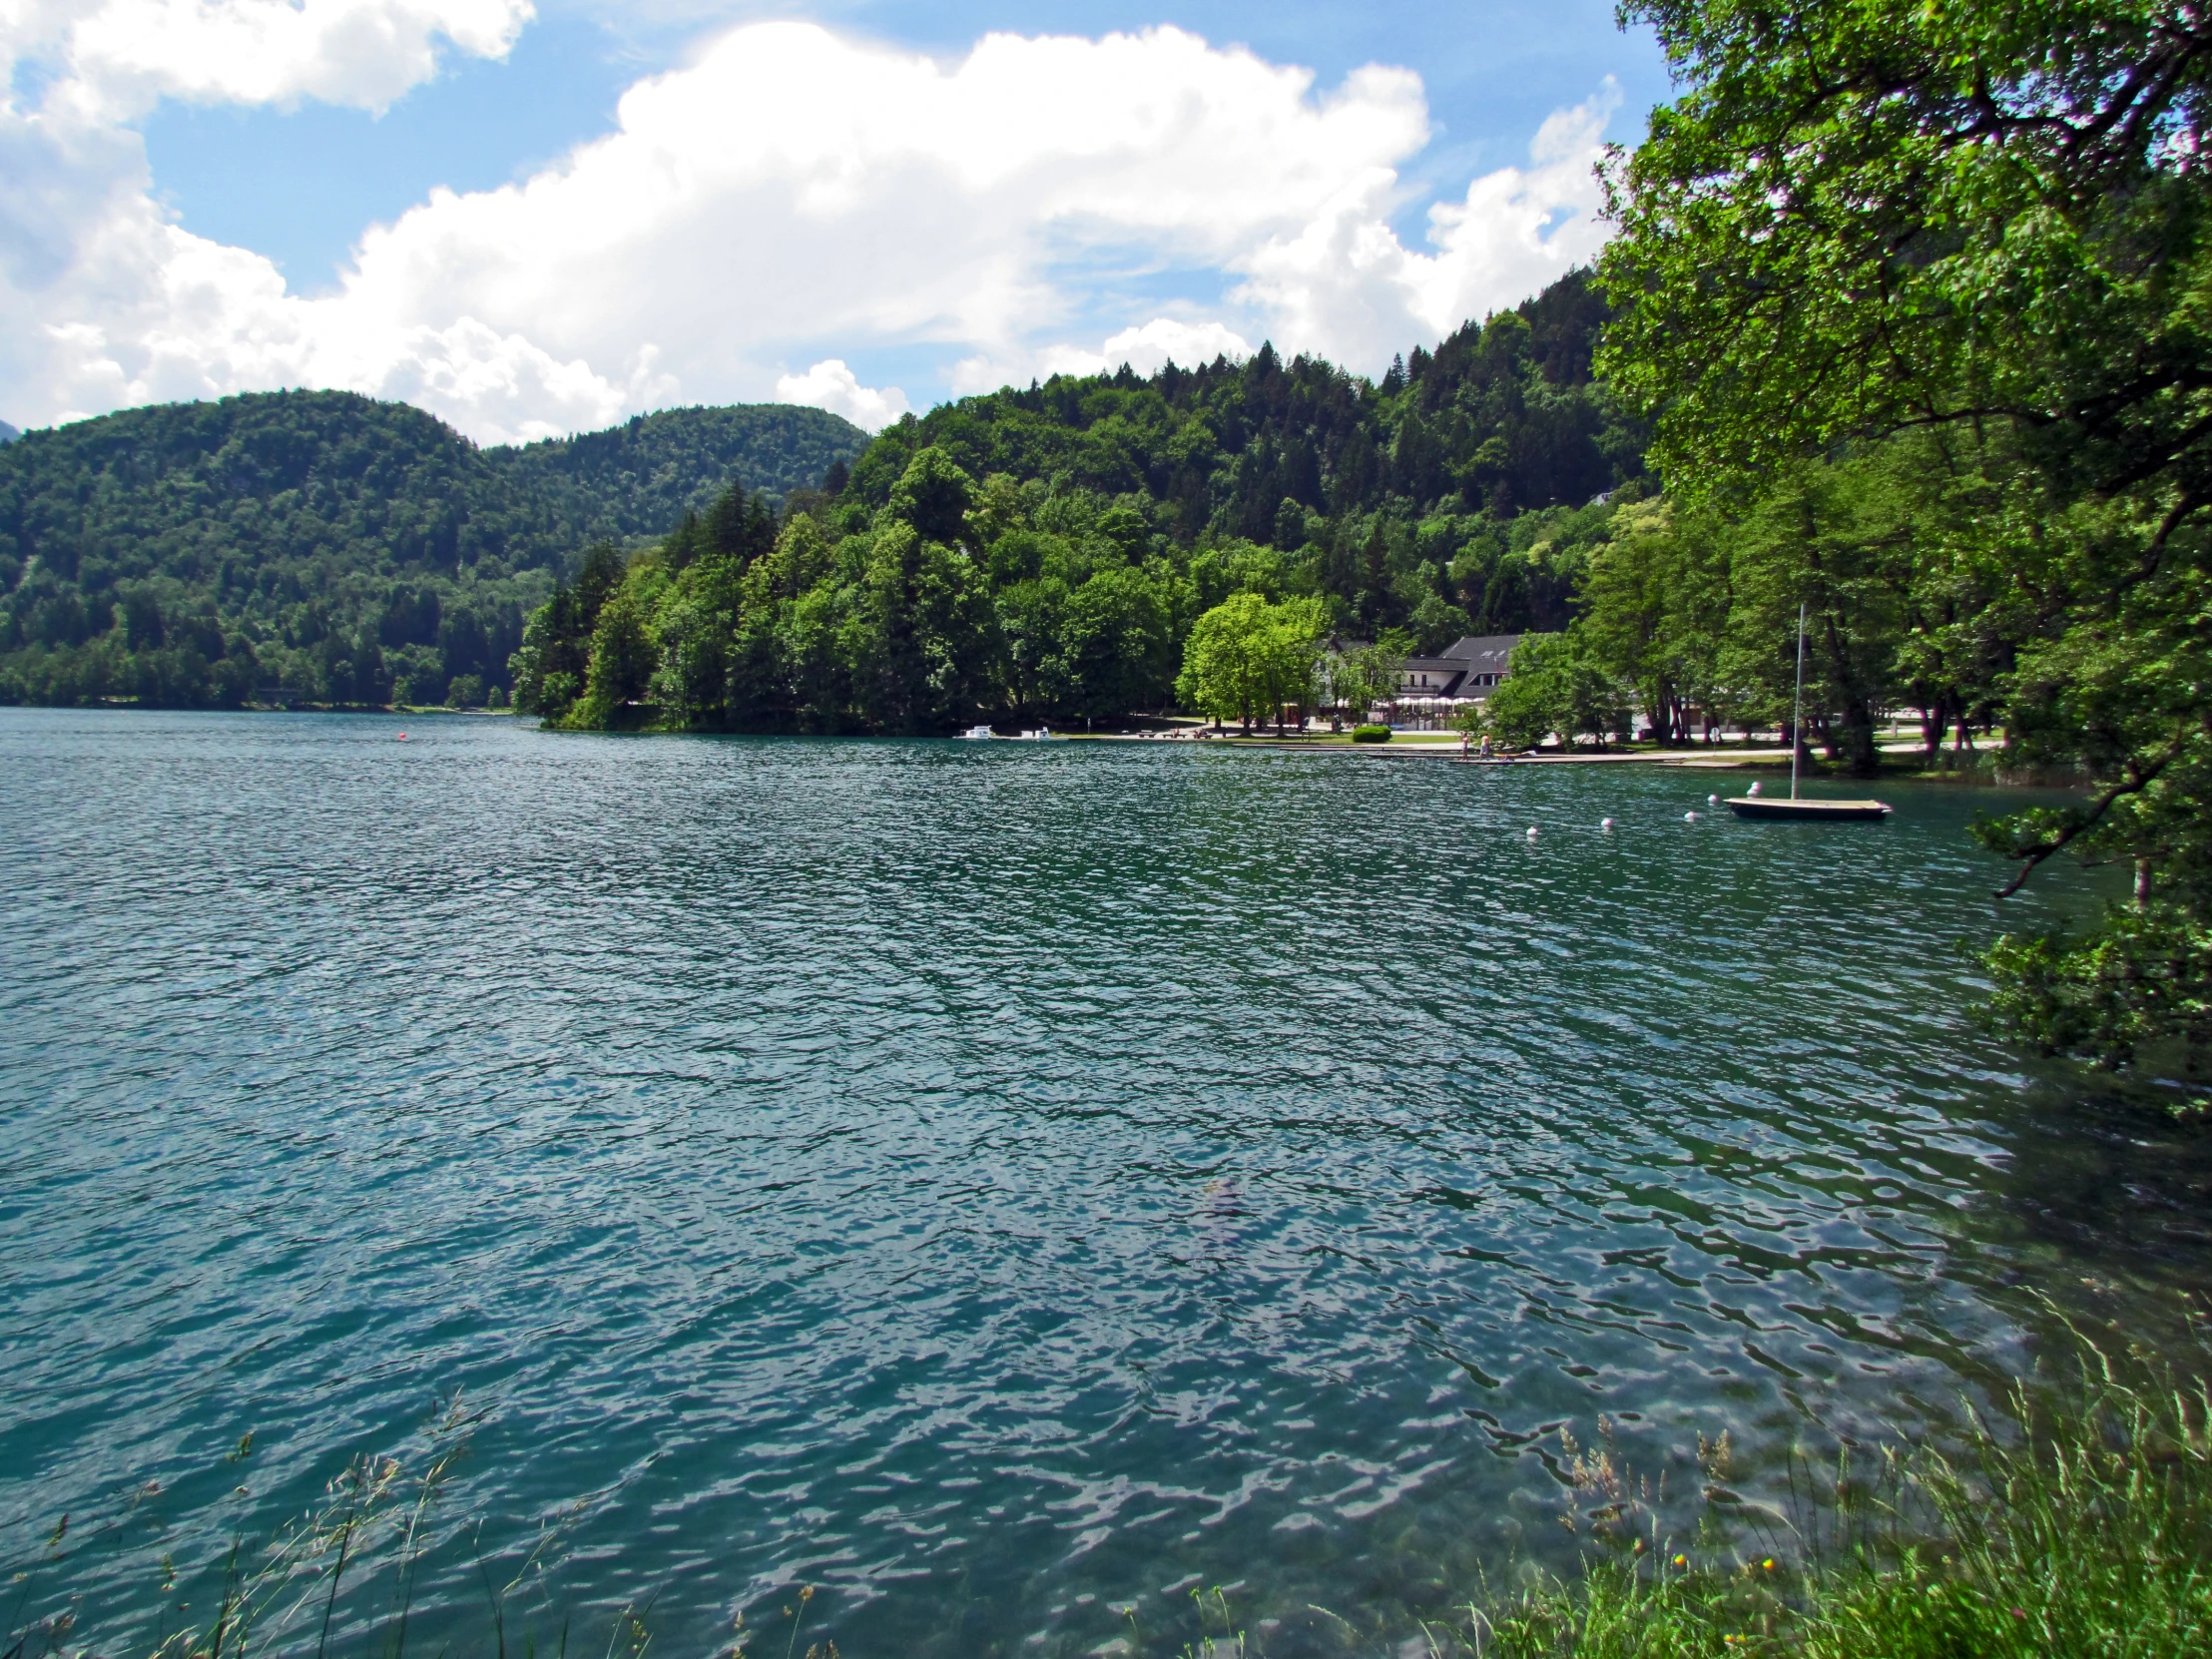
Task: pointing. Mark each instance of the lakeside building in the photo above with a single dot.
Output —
(1430, 688)
(1429, 677)
(1485, 657)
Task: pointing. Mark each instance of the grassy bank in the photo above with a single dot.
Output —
(2077, 1521)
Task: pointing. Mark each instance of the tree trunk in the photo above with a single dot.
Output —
(1861, 756)
(1855, 746)
(1933, 721)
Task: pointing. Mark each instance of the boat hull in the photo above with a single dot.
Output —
(1842, 811)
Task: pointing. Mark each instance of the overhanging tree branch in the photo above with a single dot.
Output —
(2140, 777)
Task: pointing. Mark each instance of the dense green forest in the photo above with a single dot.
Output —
(347, 550)
(1044, 553)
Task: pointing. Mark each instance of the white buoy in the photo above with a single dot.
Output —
(1532, 831)
(1605, 823)
(1754, 789)
(1689, 817)
(1712, 800)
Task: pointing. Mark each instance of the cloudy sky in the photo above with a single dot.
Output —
(535, 217)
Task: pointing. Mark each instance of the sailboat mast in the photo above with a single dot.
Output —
(1797, 709)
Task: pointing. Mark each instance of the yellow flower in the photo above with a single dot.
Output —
(1681, 1560)
(1768, 1563)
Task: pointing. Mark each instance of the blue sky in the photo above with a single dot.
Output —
(301, 184)
(830, 219)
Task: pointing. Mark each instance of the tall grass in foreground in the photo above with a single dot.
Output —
(2073, 1526)
(341, 1578)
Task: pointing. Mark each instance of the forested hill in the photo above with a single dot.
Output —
(640, 478)
(1052, 552)
(351, 551)
(1406, 502)
(344, 548)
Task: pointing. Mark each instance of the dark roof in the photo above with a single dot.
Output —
(1482, 652)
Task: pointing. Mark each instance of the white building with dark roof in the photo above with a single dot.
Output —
(1465, 671)
(1485, 657)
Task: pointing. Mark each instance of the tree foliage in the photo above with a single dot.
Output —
(1047, 554)
(1556, 687)
(1916, 297)
(349, 550)
(1247, 659)
(1418, 502)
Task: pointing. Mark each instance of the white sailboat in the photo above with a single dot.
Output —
(1750, 805)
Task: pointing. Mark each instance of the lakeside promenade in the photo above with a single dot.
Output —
(1446, 747)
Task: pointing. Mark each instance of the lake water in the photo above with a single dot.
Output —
(1005, 1186)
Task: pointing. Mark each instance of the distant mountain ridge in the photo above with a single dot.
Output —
(346, 551)
(8, 435)
(343, 548)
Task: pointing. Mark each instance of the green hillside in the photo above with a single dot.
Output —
(350, 551)
(1048, 552)
(346, 549)
(1439, 501)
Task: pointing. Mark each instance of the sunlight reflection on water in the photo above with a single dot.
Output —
(994, 1183)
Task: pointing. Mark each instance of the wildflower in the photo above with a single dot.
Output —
(1768, 1563)
(1681, 1560)
(2019, 1612)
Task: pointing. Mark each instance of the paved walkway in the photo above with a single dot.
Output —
(1715, 759)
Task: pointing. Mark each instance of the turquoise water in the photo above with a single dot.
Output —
(999, 1184)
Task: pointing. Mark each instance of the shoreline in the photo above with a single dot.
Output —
(1769, 759)
(1896, 762)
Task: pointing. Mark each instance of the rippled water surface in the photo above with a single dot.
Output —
(999, 1184)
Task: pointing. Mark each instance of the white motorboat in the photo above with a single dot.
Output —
(978, 732)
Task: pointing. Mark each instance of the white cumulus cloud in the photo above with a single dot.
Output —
(119, 56)
(1165, 340)
(1346, 285)
(788, 195)
(832, 387)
